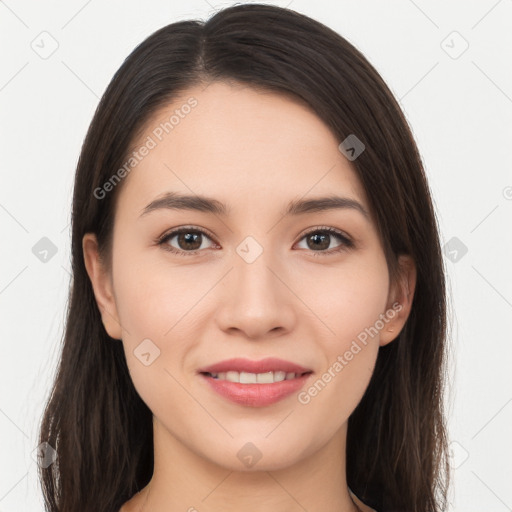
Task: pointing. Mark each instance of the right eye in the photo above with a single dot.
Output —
(189, 241)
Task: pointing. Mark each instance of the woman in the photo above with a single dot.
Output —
(257, 315)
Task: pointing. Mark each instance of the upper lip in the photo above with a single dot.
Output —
(269, 364)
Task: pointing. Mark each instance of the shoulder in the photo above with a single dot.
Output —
(359, 503)
(134, 504)
(128, 507)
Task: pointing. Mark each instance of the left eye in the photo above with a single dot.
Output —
(319, 239)
(190, 241)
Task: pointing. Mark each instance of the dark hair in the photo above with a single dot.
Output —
(397, 457)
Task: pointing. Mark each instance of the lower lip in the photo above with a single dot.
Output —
(256, 395)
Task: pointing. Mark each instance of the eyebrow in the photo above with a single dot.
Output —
(177, 201)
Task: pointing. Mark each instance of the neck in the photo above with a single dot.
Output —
(182, 480)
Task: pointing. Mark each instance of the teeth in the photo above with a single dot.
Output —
(244, 377)
(254, 378)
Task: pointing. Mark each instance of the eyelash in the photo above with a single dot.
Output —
(346, 243)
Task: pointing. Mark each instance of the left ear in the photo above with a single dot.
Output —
(400, 298)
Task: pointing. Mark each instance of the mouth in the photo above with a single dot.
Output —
(246, 368)
(255, 378)
(255, 383)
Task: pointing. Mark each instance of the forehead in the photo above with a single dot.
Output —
(241, 145)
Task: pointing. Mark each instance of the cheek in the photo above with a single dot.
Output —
(347, 299)
(155, 300)
(349, 305)
(155, 310)
(349, 355)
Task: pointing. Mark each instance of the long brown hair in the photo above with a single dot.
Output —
(397, 457)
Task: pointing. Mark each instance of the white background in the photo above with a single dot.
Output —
(460, 111)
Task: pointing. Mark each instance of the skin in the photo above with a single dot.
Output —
(254, 151)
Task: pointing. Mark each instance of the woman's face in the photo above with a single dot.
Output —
(246, 279)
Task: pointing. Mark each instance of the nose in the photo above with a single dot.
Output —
(256, 301)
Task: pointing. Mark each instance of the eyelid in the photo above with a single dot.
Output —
(186, 229)
(329, 229)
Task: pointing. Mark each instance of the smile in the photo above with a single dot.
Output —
(255, 378)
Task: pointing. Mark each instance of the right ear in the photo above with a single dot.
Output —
(101, 282)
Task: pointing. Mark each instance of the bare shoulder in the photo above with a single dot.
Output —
(129, 506)
(135, 503)
(358, 502)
